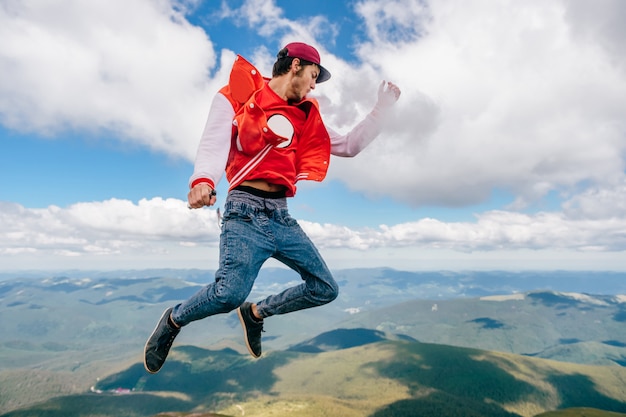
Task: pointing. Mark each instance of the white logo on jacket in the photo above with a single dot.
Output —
(282, 127)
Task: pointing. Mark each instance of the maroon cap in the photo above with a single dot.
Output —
(308, 53)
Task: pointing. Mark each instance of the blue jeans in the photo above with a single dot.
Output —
(255, 229)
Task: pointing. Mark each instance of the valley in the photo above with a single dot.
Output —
(393, 341)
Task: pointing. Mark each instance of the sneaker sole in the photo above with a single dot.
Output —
(145, 347)
(245, 334)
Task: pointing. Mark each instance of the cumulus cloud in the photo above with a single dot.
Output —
(156, 228)
(137, 69)
(598, 203)
(525, 97)
(104, 228)
(501, 95)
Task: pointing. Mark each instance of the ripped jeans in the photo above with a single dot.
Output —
(255, 229)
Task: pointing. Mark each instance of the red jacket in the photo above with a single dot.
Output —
(246, 151)
(257, 152)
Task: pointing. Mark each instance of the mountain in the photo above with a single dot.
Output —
(376, 379)
(343, 339)
(77, 313)
(572, 327)
(60, 332)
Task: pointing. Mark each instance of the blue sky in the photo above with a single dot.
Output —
(506, 149)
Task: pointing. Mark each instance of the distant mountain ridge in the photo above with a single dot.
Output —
(588, 328)
(77, 327)
(67, 313)
(343, 339)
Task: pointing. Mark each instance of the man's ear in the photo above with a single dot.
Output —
(296, 64)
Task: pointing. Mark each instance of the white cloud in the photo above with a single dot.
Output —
(504, 94)
(156, 231)
(525, 97)
(162, 232)
(389, 22)
(137, 68)
(598, 203)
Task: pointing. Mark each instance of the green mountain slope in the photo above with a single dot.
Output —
(59, 335)
(378, 379)
(581, 412)
(564, 326)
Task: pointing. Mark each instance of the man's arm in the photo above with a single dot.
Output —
(212, 153)
(365, 132)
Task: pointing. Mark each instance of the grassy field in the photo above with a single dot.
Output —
(396, 379)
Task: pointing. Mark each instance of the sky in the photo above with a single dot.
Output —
(505, 151)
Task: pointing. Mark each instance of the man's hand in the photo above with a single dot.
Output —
(201, 195)
(387, 96)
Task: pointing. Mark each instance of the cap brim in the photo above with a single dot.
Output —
(324, 75)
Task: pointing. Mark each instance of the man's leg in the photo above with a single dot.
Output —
(159, 343)
(297, 251)
(243, 249)
(319, 288)
(252, 328)
(292, 247)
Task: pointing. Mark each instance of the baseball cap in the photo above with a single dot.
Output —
(308, 53)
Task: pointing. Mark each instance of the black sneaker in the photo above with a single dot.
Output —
(251, 329)
(159, 343)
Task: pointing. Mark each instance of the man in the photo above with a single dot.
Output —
(267, 135)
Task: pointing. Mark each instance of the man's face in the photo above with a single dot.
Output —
(303, 81)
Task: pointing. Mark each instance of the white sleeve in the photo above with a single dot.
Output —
(214, 147)
(357, 139)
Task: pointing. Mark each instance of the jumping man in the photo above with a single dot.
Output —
(267, 135)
